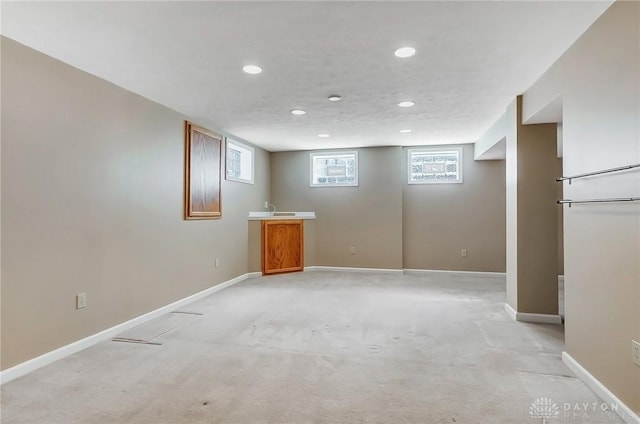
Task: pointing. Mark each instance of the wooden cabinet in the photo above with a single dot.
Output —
(282, 246)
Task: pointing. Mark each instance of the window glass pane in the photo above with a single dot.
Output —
(429, 165)
(233, 162)
(239, 162)
(334, 169)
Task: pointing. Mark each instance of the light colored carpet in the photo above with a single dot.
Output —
(318, 347)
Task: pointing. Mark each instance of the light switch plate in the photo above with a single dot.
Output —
(81, 300)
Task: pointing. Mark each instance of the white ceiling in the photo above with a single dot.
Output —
(473, 58)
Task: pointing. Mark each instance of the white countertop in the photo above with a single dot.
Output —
(258, 216)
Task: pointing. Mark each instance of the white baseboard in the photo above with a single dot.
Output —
(529, 317)
(348, 269)
(45, 359)
(406, 271)
(455, 273)
(627, 415)
(539, 318)
(512, 312)
(253, 274)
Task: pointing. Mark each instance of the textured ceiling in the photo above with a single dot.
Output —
(473, 58)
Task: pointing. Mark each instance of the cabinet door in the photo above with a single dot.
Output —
(282, 246)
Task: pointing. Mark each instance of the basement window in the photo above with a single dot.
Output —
(239, 162)
(431, 165)
(334, 169)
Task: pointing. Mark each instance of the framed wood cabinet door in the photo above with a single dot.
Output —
(282, 246)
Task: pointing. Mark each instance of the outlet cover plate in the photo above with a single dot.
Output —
(635, 352)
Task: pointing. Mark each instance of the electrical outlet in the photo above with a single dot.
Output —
(81, 300)
(635, 352)
(463, 253)
(217, 262)
(352, 250)
(266, 204)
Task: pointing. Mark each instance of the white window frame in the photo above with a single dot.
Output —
(432, 150)
(333, 153)
(250, 151)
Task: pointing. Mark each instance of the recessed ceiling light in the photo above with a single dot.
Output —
(405, 131)
(407, 103)
(252, 69)
(298, 112)
(324, 135)
(335, 98)
(405, 52)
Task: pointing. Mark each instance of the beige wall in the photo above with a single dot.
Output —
(439, 220)
(396, 225)
(537, 219)
(598, 78)
(92, 180)
(532, 215)
(367, 217)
